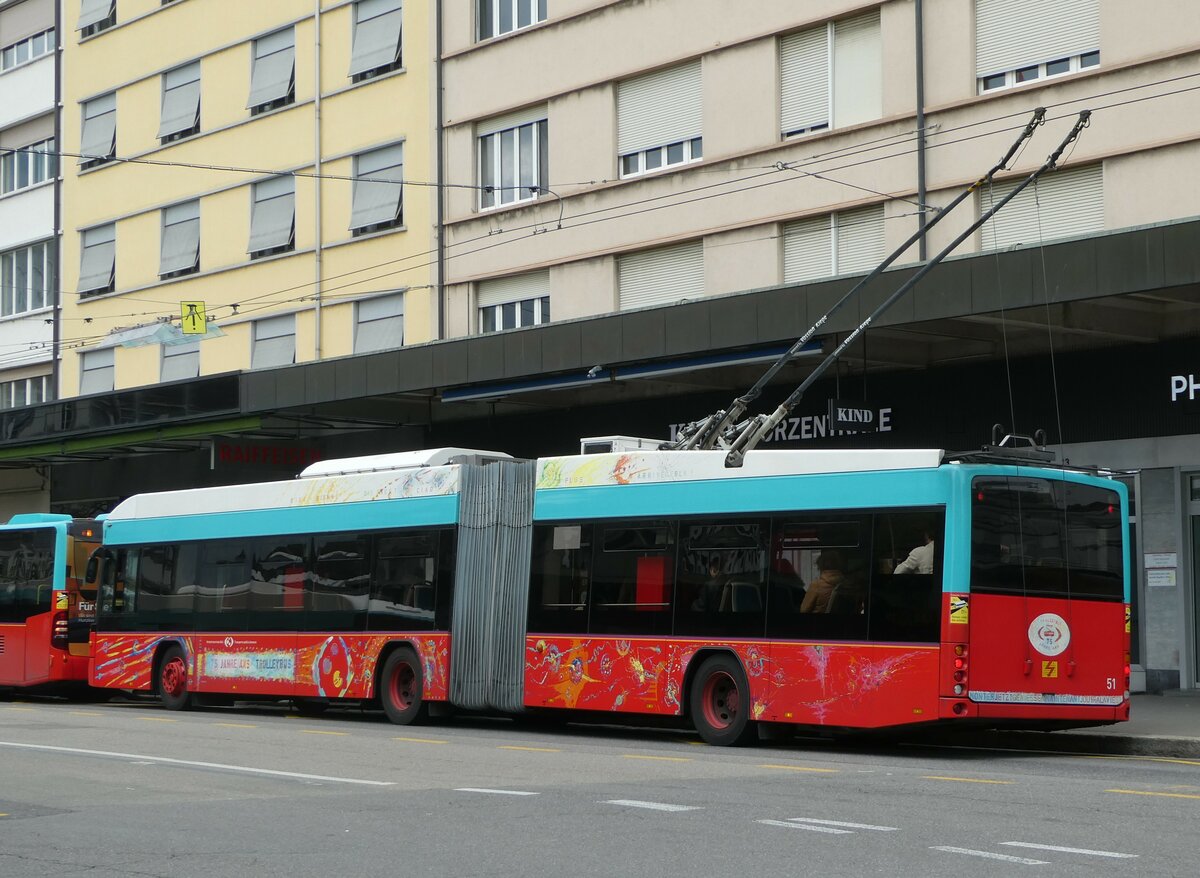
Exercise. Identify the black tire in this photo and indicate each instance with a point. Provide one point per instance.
(719, 702)
(171, 680)
(400, 688)
(310, 706)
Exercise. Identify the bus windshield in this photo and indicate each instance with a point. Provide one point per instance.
(1047, 538)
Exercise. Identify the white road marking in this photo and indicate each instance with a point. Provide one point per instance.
(245, 769)
(991, 856)
(496, 792)
(1051, 847)
(653, 806)
(809, 826)
(844, 825)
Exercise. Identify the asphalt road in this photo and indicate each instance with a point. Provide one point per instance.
(130, 789)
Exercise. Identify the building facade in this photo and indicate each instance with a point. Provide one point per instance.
(638, 204)
(29, 202)
(258, 180)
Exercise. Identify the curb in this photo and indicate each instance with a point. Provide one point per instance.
(1093, 744)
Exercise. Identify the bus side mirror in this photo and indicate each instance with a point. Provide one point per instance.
(93, 568)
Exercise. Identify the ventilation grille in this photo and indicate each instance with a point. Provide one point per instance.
(1, 644)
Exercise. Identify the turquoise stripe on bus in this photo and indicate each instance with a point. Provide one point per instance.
(341, 518)
(746, 495)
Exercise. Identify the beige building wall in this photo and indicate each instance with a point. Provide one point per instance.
(751, 180)
(316, 138)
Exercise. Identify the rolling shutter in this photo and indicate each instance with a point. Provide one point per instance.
(515, 288)
(273, 216)
(98, 261)
(1070, 202)
(857, 70)
(180, 100)
(93, 12)
(99, 137)
(804, 80)
(379, 324)
(274, 68)
(807, 250)
(378, 189)
(376, 35)
(859, 239)
(180, 249)
(1011, 35)
(660, 108)
(663, 276)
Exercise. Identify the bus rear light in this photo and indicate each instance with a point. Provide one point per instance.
(959, 708)
(961, 649)
(58, 635)
(958, 690)
(959, 664)
(960, 676)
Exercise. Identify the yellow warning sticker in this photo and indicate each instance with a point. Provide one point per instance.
(958, 609)
(60, 600)
(1127, 618)
(1050, 670)
(193, 320)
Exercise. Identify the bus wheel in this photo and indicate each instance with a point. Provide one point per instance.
(172, 680)
(400, 688)
(720, 702)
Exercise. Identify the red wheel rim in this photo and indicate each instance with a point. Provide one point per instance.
(174, 677)
(403, 684)
(721, 700)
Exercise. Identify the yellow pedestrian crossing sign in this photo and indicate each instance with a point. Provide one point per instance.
(192, 319)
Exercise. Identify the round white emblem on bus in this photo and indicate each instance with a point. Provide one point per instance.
(1049, 634)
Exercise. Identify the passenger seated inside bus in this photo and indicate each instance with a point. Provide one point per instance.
(830, 567)
(709, 596)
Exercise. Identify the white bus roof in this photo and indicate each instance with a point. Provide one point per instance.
(373, 463)
(620, 468)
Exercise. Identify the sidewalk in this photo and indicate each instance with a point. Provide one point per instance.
(1159, 725)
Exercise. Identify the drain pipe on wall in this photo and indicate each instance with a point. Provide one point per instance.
(439, 286)
(922, 249)
(317, 167)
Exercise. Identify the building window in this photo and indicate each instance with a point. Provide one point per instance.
(847, 242)
(274, 342)
(831, 76)
(28, 166)
(273, 217)
(180, 250)
(95, 16)
(378, 201)
(98, 143)
(513, 302)
(180, 361)
(97, 265)
(97, 371)
(379, 324)
(1060, 205)
(498, 17)
(513, 161)
(1016, 44)
(27, 49)
(180, 103)
(25, 278)
(661, 277)
(376, 42)
(660, 120)
(24, 391)
(273, 75)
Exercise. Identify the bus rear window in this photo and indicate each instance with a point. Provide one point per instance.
(1046, 538)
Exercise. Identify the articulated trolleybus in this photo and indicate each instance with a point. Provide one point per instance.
(45, 617)
(822, 589)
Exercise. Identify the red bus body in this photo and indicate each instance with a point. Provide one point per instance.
(39, 607)
(1023, 633)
